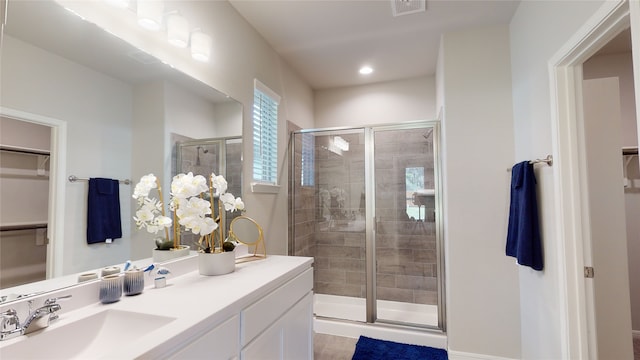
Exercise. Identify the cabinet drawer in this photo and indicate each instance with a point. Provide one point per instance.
(259, 316)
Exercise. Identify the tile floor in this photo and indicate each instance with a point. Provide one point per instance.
(329, 347)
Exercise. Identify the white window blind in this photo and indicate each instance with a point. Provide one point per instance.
(308, 159)
(265, 134)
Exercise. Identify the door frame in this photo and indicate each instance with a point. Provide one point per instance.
(565, 72)
(57, 169)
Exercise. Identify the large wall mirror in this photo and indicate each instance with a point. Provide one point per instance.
(122, 112)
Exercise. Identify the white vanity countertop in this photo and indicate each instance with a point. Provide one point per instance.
(197, 303)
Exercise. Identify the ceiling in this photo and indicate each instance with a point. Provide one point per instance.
(326, 41)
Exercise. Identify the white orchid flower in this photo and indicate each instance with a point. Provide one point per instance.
(193, 207)
(163, 221)
(199, 225)
(239, 204)
(144, 186)
(185, 186)
(193, 212)
(219, 183)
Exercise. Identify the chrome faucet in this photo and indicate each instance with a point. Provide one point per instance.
(38, 319)
(9, 325)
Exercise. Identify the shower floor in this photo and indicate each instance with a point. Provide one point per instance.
(352, 308)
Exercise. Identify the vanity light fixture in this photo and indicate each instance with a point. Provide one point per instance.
(341, 143)
(150, 13)
(200, 46)
(177, 30)
(366, 70)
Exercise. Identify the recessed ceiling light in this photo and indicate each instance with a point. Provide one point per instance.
(366, 70)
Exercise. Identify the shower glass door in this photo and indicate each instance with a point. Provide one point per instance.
(406, 249)
(365, 206)
(328, 216)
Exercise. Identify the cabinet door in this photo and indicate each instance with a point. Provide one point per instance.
(289, 338)
(220, 343)
(298, 330)
(266, 346)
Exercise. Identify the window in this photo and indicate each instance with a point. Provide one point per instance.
(414, 182)
(265, 134)
(308, 159)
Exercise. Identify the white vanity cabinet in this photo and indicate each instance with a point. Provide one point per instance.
(277, 326)
(261, 311)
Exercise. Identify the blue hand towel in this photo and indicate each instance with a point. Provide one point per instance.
(523, 235)
(103, 210)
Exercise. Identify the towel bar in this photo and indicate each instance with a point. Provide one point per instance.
(548, 160)
(73, 178)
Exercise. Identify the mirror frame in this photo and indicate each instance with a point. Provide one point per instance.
(256, 244)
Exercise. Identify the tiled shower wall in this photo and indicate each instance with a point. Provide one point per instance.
(333, 231)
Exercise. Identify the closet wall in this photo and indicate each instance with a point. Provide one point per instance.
(619, 64)
(24, 190)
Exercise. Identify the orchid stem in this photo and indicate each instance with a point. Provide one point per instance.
(166, 229)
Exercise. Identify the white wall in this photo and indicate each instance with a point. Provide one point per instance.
(537, 31)
(97, 110)
(187, 114)
(240, 54)
(148, 152)
(228, 119)
(481, 281)
(380, 103)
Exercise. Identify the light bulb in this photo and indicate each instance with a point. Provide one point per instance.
(366, 70)
(200, 46)
(177, 30)
(150, 14)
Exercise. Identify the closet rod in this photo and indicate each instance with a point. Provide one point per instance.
(23, 227)
(73, 178)
(25, 150)
(630, 151)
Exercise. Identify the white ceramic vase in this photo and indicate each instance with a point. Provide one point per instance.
(160, 256)
(216, 263)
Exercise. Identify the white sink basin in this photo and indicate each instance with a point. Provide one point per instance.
(91, 337)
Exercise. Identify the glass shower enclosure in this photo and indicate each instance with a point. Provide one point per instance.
(365, 204)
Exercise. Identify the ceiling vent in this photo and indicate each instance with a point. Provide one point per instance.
(406, 7)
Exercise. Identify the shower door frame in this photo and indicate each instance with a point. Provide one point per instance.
(370, 215)
(222, 155)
